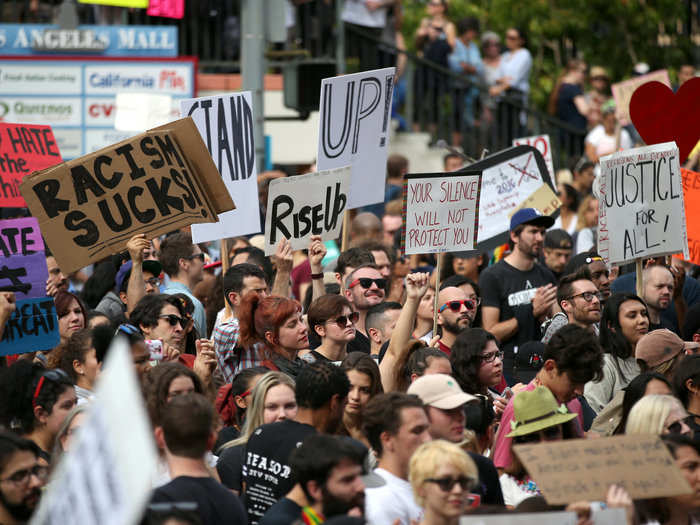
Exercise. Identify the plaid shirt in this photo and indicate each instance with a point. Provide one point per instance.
(231, 358)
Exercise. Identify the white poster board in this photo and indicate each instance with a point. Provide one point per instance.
(601, 517)
(641, 212)
(139, 112)
(441, 212)
(543, 145)
(305, 205)
(225, 123)
(355, 113)
(106, 477)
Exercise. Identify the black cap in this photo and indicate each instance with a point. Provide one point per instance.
(558, 239)
(581, 259)
(528, 361)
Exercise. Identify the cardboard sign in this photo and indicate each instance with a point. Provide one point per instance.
(226, 125)
(509, 179)
(106, 475)
(641, 212)
(33, 325)
(355, 113)
(622, 92)
(305, 205)
(543, 199)
(152, 183)
(691, 200)
(23, 149)
(583, 469)
(166, 8)
(541, 143)
(441, 212)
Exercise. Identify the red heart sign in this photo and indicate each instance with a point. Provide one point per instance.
(662, 116)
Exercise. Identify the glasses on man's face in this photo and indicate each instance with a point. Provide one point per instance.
(448, 483)
(199, 256)
(21, 477)
(456, 306)
(491, 356)
(366, 283)
(174, 319)
(56, 375)
(588, 296)
(153, 281)
(342, 320)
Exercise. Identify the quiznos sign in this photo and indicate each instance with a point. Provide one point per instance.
(152, 183)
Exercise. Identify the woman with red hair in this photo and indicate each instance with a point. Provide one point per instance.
(274, 327)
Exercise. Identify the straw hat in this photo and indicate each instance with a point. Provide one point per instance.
(536, 410)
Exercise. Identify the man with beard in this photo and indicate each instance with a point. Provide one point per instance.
(517, 294)
(21, 479)
(657, 293)
(580, 302)
(364, 288)
(455, 313)
(328, 471)
(321, 392)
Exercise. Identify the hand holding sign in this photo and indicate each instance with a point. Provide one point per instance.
(317, 251)
(136, 245)
(283, 256)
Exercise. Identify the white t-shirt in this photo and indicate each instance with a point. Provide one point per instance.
(513, 492)
(356, 12)
(605, 144)
(384, 505)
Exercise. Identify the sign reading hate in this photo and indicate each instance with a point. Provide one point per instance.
(355, 113)
(641, 212)
(33, 325)
(442, 212)
(225, 123)
(24, 148)
(152, 183)
(305, 205)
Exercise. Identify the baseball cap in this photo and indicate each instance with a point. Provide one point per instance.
(659, 346)
(558, 239)
(440, 391)
(528, 361)
(597, 71)
(530, 216)
(124, 272)
(579, 260)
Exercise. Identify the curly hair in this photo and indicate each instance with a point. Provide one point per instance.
(76, 349)
(465, 358)
(159, 379)
(18, 384)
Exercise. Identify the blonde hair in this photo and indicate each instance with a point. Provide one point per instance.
(430, 456)
(582, 209)
(649, 414)
(254, 415)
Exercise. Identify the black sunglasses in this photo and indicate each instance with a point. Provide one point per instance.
(447, 484)
(174, 319)
(342, 320)
(549, 433)
(199, 256)
(366, 282)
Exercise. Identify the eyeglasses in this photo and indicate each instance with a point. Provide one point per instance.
(456, 306)
(153, 281)
(342, 320)
(56, 375)
(21, 477)
(491, 356)
(366, 282)
(588, 296)
(199, 256)
(174, 319)
(447, 484)
(549, 434)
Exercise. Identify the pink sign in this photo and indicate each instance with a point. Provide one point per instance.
(167, 8)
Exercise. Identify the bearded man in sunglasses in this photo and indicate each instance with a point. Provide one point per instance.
(455, 313)
(364, 288)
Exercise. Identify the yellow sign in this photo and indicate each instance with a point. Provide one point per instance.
(121, 3)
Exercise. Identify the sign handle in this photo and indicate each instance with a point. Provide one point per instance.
(638, 269)
(437, 288)
(346, 231)
(224, 268)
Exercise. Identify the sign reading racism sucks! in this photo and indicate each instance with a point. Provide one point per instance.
(23, 149)
(33, 325)
(305, 205)
(543, 145)
(355, 113)
(226, 124)
(441, 212)
(641, 212)
(152, 183)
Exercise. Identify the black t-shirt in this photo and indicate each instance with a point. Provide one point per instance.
(489, 487)
(284, 512)
(215, 503)
(511, 291)
(230, 466)
(361, 343)
(266, 473)
(226, 434)
(566, 108)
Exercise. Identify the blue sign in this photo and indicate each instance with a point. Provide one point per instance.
(33, 326)
(109, 41)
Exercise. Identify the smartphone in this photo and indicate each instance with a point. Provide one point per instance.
(155, 349)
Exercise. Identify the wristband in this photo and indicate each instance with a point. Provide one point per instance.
(317, 275)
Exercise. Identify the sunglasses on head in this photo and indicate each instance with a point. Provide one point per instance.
(448, 483)
(56, 375)
(366, 282)
(174, 319)
(128, 329)
(456, 306)
(342, 320)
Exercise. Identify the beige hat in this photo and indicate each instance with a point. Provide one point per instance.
(439, 391)
(597, 71)
(659, 346)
